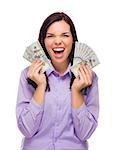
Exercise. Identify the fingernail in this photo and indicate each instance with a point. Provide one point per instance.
(38, 60)
(34, 61)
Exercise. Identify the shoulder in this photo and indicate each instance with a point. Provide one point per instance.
(24, 73)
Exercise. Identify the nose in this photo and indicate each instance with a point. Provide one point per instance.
(57, 41)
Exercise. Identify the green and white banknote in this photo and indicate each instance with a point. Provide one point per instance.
(83, 54)
(35, 51)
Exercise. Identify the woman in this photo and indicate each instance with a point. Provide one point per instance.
(54, 109)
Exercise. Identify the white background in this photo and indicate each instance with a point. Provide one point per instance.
(95, 22)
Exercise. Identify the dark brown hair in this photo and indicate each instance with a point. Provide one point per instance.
(57, 16)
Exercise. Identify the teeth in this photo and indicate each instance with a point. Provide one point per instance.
(58, 49)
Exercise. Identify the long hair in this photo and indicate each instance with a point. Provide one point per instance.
(57, 16)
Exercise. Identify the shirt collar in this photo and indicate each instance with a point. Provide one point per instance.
(52, 70)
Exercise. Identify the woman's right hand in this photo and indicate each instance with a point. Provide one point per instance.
(35, 74)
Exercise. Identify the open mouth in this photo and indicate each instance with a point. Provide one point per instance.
(58, 50)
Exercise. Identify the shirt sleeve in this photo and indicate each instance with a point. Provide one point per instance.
(28, 112)
(85, 118)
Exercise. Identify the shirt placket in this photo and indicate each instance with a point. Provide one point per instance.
(58, 108)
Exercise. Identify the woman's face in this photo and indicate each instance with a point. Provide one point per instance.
(58, 42)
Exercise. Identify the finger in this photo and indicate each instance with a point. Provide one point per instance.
(83, 74)
(90, 71)
(38, 70)
(81, 78)
(35, 73)
(87, 72)
(36, 61)
(38, 64)
(33, 68)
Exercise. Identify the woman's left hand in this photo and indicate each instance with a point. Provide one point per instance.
(84, 78)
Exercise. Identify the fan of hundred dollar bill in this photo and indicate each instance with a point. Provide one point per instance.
(83, 54)
(35, 51)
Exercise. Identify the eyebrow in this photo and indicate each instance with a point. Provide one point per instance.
(61, 33)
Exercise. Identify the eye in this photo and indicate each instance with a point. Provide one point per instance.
(66, 35)
(48, 36)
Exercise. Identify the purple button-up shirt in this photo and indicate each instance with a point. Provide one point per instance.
(55, 125)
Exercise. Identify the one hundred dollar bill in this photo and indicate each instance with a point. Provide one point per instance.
(83, 54)
(35, 51)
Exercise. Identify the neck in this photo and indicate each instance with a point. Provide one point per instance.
(61, 68)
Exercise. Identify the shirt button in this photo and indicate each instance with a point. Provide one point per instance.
(55, 139)
(59, 107)
(57, 123)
